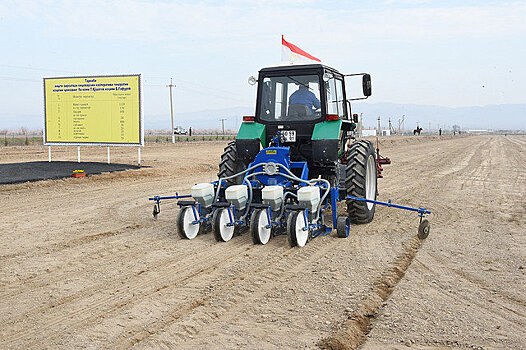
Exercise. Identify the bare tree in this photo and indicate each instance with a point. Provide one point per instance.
(4, 132)
(24, 131)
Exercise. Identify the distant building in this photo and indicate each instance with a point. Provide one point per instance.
(368, 132)
(478, 131)
(373, 132)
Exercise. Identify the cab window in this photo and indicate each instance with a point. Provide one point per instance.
(335, 100)
(290, 98)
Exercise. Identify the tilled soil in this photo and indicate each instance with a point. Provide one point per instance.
(84, 264)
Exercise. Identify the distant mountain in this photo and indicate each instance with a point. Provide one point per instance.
(206, 119)
(508, 116)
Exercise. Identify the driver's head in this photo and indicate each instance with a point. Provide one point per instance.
(303, 82)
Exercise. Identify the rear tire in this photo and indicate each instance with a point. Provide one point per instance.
(361, 181)
(230, 165)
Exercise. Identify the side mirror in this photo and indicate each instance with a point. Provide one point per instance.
(352, 85)
(252, 80)
(366, 85)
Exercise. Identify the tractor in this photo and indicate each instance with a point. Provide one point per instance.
(324, 137)
(291, 163)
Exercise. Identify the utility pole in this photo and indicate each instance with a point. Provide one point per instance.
(379, 128)
(223, 125)
(172, 108)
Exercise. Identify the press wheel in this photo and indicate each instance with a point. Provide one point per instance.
(258, 227)
(222, 232)
(423, 229)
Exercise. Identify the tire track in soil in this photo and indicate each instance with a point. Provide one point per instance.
(246, 286)
(42, 280)
(501, 315)
(51, 199)
(243, 245)
(354, 330)
(60, 272)
(516, 141)
(37, 281)
(34, 281)
(139, 289)
(479, 283)
(75, 242)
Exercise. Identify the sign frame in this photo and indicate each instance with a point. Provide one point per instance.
(108, 144)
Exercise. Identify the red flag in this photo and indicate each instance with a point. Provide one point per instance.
(291, 53)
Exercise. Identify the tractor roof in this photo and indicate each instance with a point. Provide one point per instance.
(288, 67)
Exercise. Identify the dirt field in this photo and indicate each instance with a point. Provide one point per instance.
(84, 264)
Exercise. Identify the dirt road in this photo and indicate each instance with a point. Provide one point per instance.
(83, 263)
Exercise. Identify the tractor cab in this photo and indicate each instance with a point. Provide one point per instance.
(307, 106)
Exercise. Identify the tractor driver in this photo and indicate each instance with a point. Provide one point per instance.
(303, 96)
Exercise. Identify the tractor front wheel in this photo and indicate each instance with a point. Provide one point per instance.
(361, 181)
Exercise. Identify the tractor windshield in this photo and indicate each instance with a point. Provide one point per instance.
(290, 98)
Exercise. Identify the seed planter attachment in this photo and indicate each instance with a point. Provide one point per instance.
(272, 196)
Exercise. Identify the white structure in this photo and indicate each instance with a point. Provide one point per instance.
(368, 132)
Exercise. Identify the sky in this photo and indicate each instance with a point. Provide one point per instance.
(442, 53)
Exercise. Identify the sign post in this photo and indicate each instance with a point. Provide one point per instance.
(93, 110)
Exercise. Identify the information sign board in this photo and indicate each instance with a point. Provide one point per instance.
(93, 110)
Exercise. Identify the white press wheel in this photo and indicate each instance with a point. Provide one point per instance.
(297, 235)
(185, 224)
(258, 227)
(222, 232)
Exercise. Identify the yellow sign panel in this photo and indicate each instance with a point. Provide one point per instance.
(93, 110)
